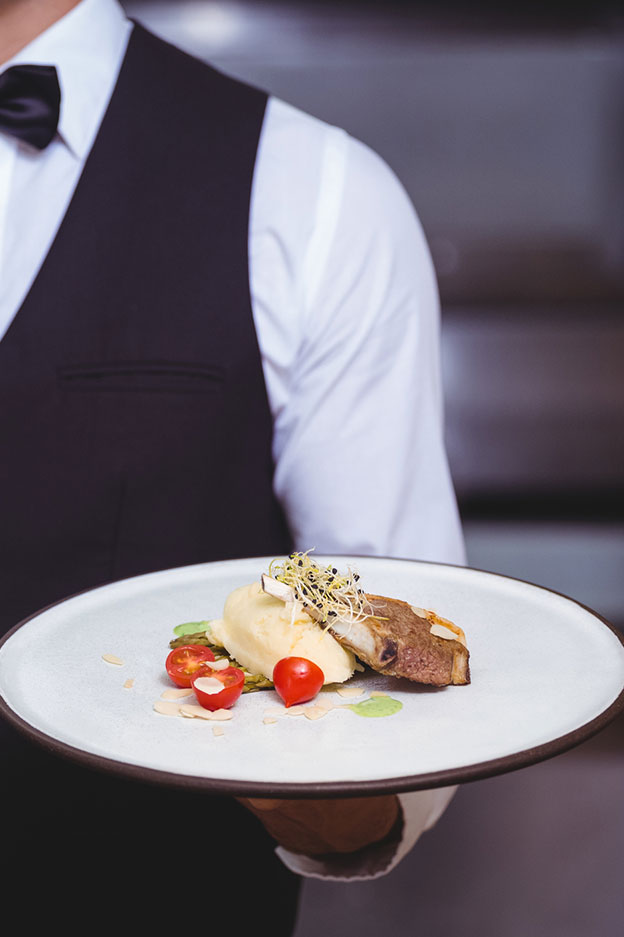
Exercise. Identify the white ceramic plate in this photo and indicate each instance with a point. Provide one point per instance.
(546, 674)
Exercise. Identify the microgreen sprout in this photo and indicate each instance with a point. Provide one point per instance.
(325, 593)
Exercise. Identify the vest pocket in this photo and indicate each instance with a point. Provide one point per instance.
(141, 377)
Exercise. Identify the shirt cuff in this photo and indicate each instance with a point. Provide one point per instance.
(420, 811)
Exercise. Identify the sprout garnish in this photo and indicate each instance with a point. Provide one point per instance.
(324, 592)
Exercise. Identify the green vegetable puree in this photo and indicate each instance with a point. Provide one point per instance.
(377, 706)
(191, 627)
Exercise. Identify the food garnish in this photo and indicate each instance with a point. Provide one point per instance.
(218, 689)
(183, 663)
(297, 680)
(376, 706)
(324, 592)
(195, 711)
(166, 708)
(191, 627)
(348, 692)
(177, 694)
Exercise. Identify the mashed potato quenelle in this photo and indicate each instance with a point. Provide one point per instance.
(258, 630)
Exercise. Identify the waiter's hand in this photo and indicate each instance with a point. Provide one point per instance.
(317, 827)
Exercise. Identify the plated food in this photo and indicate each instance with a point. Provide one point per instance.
(106, 713)
(303, 626)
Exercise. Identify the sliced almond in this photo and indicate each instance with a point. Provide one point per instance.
(295, 710)
(195, 710)
(269, 720)
(441, 631)
(218, 730)
(220, 664)
(209, 685)
(166, 709)
(348, 692)
(129, 684)
(222, 715)
(176, 694)
(441, 627)
(314, 712)
(377, 693)
(112, 659)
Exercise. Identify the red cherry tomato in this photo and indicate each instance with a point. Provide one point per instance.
(297, 679)
(184, 662)
(232, 680)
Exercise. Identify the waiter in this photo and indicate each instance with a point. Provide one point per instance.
(220, 338)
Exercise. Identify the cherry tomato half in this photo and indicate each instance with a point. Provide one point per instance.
(297, 679)
(232, 680)
(184, 662)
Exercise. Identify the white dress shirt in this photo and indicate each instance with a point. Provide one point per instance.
(345, 306)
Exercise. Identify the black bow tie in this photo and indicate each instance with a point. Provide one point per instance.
(30, 100)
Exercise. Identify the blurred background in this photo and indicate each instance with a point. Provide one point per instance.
(506, 127)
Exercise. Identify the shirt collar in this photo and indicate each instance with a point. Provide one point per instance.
(87, 46)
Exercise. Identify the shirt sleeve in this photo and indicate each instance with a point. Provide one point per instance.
(346, 308)
(347, 315)
(420, 811)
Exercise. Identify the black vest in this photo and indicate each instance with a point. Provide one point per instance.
(135, 428)
(136, 436)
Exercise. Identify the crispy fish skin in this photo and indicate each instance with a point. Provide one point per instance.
(399, 643)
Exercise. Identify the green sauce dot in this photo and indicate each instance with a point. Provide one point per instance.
(377, 706)
(190, 627)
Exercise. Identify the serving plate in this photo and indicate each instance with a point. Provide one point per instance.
(547, 673)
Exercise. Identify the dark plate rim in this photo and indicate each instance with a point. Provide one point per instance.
(301, 790)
